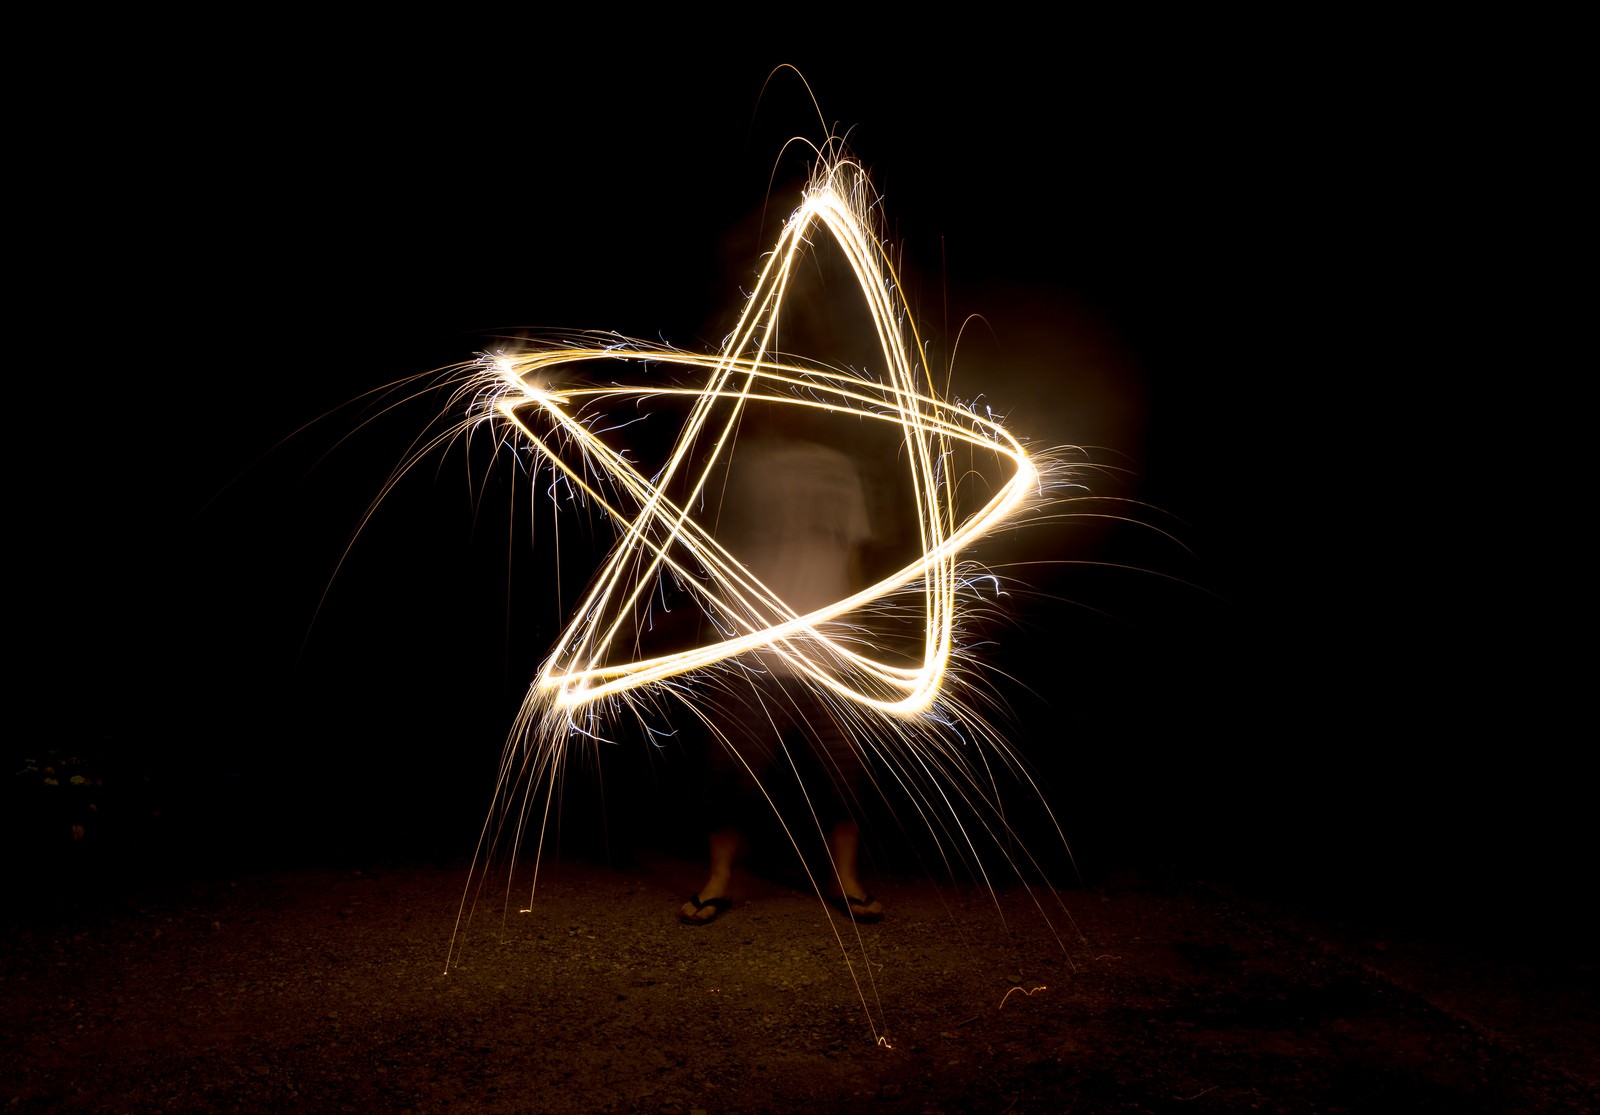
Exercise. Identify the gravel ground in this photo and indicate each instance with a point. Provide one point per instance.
(327, 990)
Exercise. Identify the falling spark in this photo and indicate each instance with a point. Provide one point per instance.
(1026, 991)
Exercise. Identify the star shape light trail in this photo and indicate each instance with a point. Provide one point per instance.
(560, 399)
(658, 535)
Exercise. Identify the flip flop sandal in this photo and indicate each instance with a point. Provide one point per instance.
(715, 905)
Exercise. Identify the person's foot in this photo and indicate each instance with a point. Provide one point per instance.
(866, 911)
(703, 911)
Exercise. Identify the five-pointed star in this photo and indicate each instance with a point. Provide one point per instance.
(659, 536)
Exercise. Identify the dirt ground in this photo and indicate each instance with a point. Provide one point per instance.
(326, 990)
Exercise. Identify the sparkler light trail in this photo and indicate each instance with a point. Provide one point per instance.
(660, 536)
(913, 716)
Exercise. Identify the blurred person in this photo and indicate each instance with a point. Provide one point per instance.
(794, 513)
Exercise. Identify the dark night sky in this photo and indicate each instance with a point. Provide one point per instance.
(1165, 247)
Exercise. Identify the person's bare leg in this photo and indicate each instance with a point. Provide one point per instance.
(724, 847)
(844, 843)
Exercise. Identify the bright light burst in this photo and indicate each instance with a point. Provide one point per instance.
(914, 715)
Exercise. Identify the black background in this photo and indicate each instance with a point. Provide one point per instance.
(1186, 256)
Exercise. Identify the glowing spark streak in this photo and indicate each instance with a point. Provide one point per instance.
(1025, 991)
